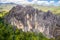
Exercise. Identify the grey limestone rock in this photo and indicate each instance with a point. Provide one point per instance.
(29, 19)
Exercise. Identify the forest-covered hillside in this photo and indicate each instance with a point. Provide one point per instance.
(7, 31)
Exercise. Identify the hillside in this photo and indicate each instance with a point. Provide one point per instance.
(28, 18)
(53, 9)
(6, 6)
(31, 19)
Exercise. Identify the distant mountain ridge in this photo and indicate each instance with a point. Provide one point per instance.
(26, 4)
(8, 3)
(8, 6)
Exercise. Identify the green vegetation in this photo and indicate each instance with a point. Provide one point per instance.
(3, 13)
(54, 9)
(7, 32)
(6, 7)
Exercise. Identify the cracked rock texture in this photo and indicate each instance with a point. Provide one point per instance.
(28, 18)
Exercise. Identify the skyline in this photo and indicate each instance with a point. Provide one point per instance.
(38, 2)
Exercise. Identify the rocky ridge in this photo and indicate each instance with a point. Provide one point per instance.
(28, 18)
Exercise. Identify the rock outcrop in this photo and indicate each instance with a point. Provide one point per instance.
(29, 19)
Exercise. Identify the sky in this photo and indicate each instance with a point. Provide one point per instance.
(39, 2)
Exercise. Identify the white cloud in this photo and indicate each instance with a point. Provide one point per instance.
(51, 3)
(13, 0)
(46, 3)
(58, 2)
(33, 2)
(43, 2)
(4, 1)
(18, 1)
(24, 2)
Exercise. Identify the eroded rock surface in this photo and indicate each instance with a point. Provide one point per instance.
(29, 19)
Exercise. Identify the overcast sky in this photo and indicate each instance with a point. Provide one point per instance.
(39, 2)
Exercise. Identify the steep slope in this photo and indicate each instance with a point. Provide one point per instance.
(29, 19)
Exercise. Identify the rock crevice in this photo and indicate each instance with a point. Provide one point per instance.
(29, 19)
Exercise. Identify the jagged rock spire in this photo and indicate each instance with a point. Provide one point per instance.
(29, 19)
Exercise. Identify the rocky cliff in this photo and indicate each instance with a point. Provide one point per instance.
(28, 18)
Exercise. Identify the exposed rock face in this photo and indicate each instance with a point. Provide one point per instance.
(29, 19)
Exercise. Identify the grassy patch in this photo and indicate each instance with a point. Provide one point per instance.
(3, 13)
